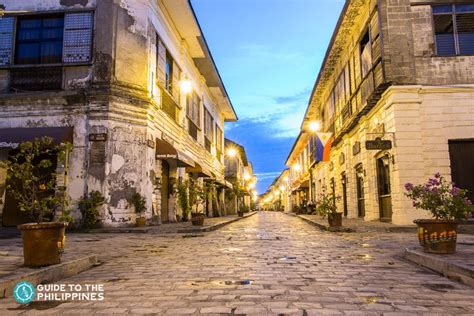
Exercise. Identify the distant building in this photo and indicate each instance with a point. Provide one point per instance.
(130, 83)
(239, 173)
(396, 90)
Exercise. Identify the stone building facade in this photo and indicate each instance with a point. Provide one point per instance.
(131, 84)
(396, 90)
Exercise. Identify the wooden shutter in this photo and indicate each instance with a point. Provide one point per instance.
(161, 63)
(77, 44)
(7, 25)
(374, 26)
(175, 83)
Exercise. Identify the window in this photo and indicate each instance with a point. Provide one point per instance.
(193, 104)
(39, 40)
(169, 73)
(219, 141)
(365, 54)
(454, 29)
(208, 125)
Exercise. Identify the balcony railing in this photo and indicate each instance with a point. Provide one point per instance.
(36, 79)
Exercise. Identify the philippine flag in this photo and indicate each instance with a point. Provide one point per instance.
(323, 146)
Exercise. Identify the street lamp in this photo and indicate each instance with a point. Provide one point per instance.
(314, 126)
(231, 152)
(297, 167)
(186, 86)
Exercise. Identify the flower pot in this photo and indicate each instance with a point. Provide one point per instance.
(140, 221)
(43, 243)
(437, 236)
(240, 213)
(335, 220)
(197, 219)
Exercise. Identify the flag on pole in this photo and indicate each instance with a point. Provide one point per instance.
(323, 146)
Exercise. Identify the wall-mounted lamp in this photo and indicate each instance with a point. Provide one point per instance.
(314, 126)
(387, 158)
(186, 86)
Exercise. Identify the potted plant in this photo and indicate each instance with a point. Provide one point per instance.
(31, 180)
(326, 207)
(447, 204)
(196, 195)
(139, 204)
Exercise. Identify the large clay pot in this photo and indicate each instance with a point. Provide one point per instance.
(437, 236)
(140, 221)
(43, 243)
(197, 219)
(335, 220)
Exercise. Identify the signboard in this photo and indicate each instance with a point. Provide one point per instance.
(100, 137)
(378, 144)
(97, 153)
(150, 143)
(166, 156)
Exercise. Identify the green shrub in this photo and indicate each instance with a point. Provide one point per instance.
(139, 202)
(89, 206)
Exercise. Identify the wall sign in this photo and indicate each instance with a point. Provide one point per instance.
(97, 153)
(150, 143)
(356, 148)
(378, 144)
(100, 137)
(166, 156)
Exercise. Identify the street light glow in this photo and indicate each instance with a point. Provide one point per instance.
(297, 167)
(231, 152)
(186, 86)
(314, 126)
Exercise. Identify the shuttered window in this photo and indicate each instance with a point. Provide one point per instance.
(219, 142)
(46, 38)
(7, 27)
(193, 108)
(77, 44)
(208, 125)
(167, 70)
(454, 29)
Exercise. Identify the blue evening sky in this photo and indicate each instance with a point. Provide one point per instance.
(268, 53)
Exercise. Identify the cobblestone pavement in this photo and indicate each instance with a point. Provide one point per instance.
(294, 268)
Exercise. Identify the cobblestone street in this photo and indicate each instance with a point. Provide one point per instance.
(269, 263)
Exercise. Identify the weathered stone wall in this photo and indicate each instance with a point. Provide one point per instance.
(409, 47)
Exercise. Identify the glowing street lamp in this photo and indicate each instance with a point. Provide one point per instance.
(282, 188)
(186, 86)
(314, 126)
(231, 152)
(297, 167)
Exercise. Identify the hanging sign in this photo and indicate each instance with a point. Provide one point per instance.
(378, 144)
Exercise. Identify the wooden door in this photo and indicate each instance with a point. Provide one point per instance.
(344, 192)
(461, 153)
(384, 189)
(360, 193)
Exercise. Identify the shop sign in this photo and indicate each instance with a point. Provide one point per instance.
(378, 144)
(100, 137)
(166, 156)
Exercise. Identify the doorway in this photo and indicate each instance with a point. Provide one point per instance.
(165, 188)
(462, 165)
(384, 189)
(344, 192)
(360, 191)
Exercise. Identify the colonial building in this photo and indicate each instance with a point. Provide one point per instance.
(131, 84)
(279, 194)
(240, 177)
(396, 90)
